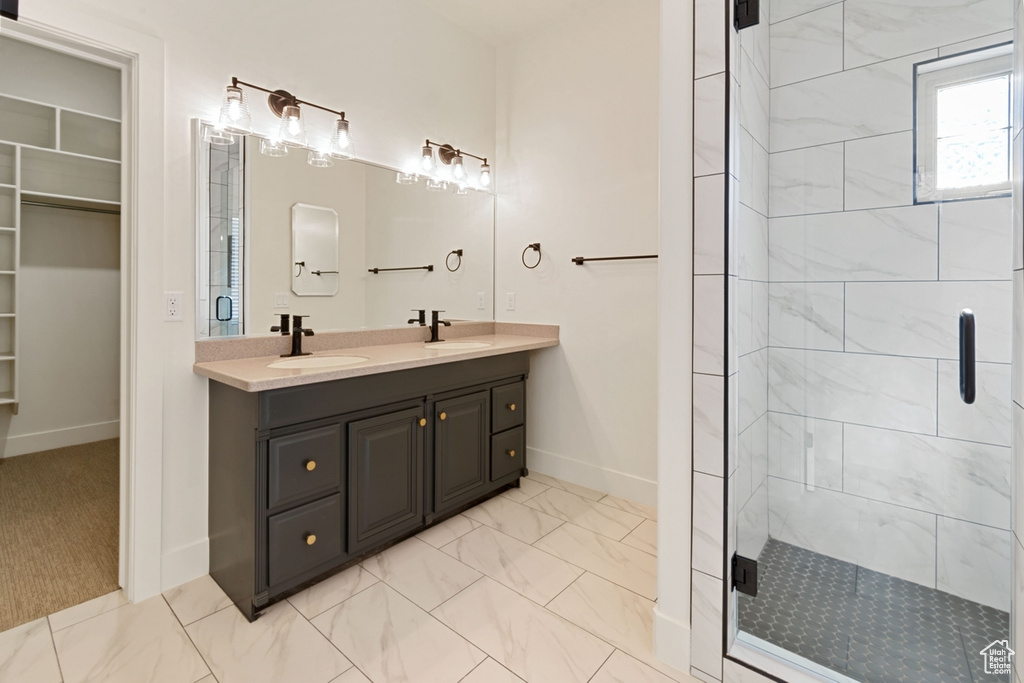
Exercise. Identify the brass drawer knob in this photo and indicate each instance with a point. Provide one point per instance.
(423, 422)
(310, 539)
(310, 465)
(512, 407)
(511, 454)
(444, 416)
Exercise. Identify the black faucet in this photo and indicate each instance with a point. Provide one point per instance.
(283, 327)
(297, 332)
(434, 322)
(422, 320)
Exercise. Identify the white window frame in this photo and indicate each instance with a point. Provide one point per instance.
(929, 78)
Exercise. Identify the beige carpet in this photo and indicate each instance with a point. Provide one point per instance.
(58, 529)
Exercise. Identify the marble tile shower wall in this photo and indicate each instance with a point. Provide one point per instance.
(872, 457)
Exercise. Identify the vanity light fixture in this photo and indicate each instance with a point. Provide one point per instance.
(235, 118)
(453, 164)
(427, 160)
(435, 185)
(403, 178)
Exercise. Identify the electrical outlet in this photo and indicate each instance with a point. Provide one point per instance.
(481, 304)
(510, 301)
(172, 306)
(281, 300)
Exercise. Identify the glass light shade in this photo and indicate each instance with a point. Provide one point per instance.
(319, 159)
(215, 135)
(234, 112)
(435, 185)
(485, 175)
(273, 148)
(458, 169)
(293, 128)
(427, 160)
(341, 141)
(403, 178)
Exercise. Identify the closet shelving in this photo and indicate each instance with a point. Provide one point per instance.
(50, 155)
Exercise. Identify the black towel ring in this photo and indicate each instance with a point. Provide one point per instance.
(458, 253)
(536, 247)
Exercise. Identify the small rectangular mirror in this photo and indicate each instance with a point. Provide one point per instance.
(314, 250)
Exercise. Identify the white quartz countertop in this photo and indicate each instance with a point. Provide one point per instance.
(254, 374)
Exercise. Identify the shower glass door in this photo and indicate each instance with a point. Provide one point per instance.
(871, 207)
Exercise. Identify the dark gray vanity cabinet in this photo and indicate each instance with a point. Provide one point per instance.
(309, 479)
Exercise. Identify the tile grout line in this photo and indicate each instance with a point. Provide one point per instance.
(189, 636)
(53, 644)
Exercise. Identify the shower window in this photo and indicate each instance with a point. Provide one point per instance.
(962, 125)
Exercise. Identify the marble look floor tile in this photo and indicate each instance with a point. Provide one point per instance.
(208, 679)
(353, 675)
(447, 531)
(648, 511)
(322, 596)
(630, 568)
(392, 640)
(585, 513)
(566, 486)
(644, 537)
(87, 610)
(529, 640)
(278, 647)
(514, 519)
(138, 642)
(614, 614)
(528, 488)
(421, 572)
(621, 668)
(27, 656)
(523, 568)
(196, 599)
(491, 672)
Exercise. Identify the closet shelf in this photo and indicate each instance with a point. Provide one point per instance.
(56, 107)
(74, 155)
(69, 200)
(5, 186)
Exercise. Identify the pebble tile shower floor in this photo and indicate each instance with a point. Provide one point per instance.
(867, 625)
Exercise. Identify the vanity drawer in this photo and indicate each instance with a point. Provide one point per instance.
(507, 406)
(508, 453)
(304, 464)
(304, 538)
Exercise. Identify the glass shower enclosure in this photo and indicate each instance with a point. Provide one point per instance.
(869, 461)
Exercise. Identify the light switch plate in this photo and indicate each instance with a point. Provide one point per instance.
(510, 301)
(281, 300)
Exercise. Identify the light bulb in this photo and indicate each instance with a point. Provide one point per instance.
(341, 142)
(427, 160)
(293, 129)
(458, 169)
(485, 175)
(234, 112)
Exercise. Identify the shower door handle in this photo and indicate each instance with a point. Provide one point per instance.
(967, 377)
(231, 309)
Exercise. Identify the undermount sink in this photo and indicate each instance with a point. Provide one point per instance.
(457, 345)
(316, 362)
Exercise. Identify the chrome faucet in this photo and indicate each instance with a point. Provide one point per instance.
(297, 333)
(434, 322)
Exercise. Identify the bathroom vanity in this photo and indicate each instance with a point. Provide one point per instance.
(311, 470)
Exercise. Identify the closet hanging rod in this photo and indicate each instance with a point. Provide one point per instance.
(48, 205)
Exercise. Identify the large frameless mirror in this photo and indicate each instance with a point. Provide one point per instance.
(391, 250)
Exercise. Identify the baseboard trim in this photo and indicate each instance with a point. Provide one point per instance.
(59, 438)
(184, 563)
(616, 483)
(671, 640)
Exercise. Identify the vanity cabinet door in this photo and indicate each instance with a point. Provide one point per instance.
(385, 459)
(460, 449)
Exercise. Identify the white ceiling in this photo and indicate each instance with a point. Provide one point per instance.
(502, 21)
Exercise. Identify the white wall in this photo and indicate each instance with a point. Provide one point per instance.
(402, 74)
(577, 171)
